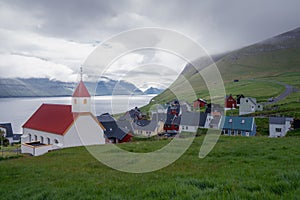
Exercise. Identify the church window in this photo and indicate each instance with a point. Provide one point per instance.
(84, 101)
(75, 101)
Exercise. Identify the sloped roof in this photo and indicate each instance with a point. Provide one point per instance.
(81, 91)
(277, 120)
(106, 117)
(159, 117)
(7, 127)
(52, 118)
(111, 128)
(193, 119)
(238, 123)
(148, 126)
(125, 125)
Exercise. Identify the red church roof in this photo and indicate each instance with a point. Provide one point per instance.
(52, 118)
(81, 91)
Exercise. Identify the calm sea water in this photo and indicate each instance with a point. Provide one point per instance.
(18, 110)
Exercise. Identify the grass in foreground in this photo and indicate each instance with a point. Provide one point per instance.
(237, 168)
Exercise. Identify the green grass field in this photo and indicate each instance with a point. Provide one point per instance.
(237, 168)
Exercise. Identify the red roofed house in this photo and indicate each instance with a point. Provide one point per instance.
(230, 102)
(55, 126)
(199, 103)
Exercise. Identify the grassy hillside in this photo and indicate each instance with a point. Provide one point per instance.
(237, 168)
(275, 59)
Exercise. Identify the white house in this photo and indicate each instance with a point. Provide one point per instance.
(55, 126)
(249, 105)
(279, 126)
(191, 121)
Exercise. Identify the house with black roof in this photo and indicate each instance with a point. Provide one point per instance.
(6, 128)
(279, 126)
(113, 132)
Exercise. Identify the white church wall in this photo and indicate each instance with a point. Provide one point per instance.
(85, 131)
(36, 135)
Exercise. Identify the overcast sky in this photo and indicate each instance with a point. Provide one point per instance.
(53, 38)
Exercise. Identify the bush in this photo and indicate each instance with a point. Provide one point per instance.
(295, 132)
(4, 141)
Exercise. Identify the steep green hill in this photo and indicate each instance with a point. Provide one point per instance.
(255, 67)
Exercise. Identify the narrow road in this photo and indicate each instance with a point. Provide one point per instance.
(288, 90)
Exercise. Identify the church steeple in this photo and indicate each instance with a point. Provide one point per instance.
(81, 98)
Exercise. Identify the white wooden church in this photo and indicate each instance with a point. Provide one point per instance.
(55, 126)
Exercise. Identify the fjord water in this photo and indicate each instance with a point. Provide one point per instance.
(18, 110)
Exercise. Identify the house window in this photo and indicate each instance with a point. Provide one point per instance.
(247, 101)
(182, 127)
(75, 101)
(247, 134)
(42, 139)
(186, 127)
(243, 121)
(278, 130)
(84, 101)
(48, 140)
(56, 141)
(230, 120)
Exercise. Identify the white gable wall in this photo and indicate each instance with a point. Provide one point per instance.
(85, 131)
(274, 133)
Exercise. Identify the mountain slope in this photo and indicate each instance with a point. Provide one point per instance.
(272, 57)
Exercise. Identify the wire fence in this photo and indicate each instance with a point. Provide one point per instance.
(8, 152)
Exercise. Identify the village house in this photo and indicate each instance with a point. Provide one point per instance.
(151, 127)
(214, 122)
(7, 131)
(199, 103)
(191, 121)
(249, 105)
(279, 126)
(113, 133)
(233, 125)
(230, 103)
(55, 126)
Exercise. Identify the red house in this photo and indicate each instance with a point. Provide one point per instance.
(230, 102)
(199, 103)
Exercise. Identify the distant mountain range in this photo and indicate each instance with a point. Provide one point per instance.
(43, 87)
(153, 90)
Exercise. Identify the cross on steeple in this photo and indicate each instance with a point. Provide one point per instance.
(81, 73)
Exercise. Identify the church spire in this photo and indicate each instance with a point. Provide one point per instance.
(81, 98)
(81, 73)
